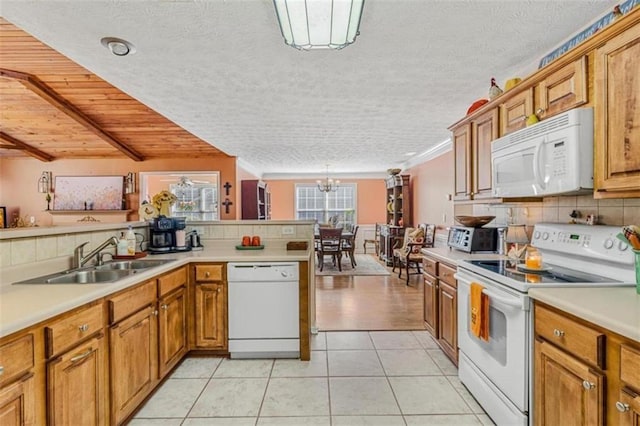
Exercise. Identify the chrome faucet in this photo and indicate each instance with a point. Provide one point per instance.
(79, 260)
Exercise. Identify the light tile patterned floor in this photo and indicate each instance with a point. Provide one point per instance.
(381, 378)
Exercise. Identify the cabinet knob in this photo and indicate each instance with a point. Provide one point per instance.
(558, 333)
(540, 111)
(155, 312)
(1, 370)
(588, 385)
(218, 290)
(164, 306)
(83, 327)
(207, 274)
(622, 407)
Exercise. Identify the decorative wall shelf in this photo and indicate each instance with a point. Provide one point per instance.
(75, 216)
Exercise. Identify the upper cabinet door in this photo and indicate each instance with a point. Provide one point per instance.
(515, 110)
(564, 89)
(485, 130)
(462, 152)
(617, 116)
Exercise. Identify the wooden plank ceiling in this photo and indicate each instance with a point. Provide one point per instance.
(52, 108)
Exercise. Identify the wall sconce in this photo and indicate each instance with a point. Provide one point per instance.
(44, 183)
(130, 183)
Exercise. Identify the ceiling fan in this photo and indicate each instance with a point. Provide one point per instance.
(184, 181)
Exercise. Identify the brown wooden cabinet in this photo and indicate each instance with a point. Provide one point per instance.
(563, 89)
(567, 391)
(583, 374)
(210, 313)
(484, 130)
(17, 403)
(133, 349)
(628, 404)
(441, 305)
(76, 385)
(461, 140)
(172, 326)
(617, 116)
(472, 150)
(256, 200)
(17, 393)
(515, 109)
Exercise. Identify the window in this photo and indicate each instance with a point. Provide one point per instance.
(311, 203)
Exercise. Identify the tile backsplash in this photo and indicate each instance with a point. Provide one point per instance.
(615, 212)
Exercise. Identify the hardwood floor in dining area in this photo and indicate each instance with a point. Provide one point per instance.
(369, 303)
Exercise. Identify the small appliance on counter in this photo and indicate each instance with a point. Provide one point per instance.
(194, 241)
(473, 240)
(167, 235)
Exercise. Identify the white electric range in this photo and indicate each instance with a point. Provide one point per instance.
(498, 371)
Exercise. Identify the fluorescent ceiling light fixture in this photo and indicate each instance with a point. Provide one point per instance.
(409, 154)
(319, 24)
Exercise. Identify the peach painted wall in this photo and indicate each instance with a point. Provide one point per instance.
(19, 178)
(371, 199)
(431, 184)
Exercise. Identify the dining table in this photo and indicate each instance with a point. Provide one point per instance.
(345, 236)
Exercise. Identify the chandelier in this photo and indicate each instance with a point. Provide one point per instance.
(319, 24)
(328, 185)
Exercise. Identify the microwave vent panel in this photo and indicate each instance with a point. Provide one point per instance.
(541, 128)
(581, 117)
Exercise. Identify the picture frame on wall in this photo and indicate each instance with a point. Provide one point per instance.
(3, 217)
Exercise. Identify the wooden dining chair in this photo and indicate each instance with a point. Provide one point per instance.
(330, 245)
(410, 255)
(349, 246)
(375, 240)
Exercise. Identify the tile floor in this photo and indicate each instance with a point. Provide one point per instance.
(354, 378)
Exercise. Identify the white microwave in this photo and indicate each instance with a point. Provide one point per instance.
(552, 157)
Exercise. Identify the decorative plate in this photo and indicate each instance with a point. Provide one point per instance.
(147, 211)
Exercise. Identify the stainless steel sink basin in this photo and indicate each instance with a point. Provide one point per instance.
(132, 264)
(91, 276)
(107, 273)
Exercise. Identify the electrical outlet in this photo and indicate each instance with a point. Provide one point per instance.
(287, 230)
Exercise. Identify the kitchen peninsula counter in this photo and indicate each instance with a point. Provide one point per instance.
(22, 306)
(614, 308)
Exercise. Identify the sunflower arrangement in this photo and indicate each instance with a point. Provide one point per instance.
(163, 201)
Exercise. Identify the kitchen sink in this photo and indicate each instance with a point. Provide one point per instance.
(132, 264)
(107, 273)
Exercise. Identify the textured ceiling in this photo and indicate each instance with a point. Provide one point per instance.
(221, 70)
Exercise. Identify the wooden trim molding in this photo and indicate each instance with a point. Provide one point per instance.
(46, 93)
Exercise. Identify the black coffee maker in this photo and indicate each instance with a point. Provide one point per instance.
(162, 235)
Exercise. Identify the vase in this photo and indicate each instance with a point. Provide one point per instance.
(165, 208)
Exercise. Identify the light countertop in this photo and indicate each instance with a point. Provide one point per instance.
(22, 306)
(451, 256)
(615, 308)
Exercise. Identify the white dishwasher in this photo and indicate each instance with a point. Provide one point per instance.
(263, 309)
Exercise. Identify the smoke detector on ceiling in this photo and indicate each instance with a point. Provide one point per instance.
(118, 46)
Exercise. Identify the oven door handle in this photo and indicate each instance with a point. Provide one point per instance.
(504, 301)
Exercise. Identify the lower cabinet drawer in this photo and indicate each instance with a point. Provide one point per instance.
(446, 273)
(430, 266)
(73, 328)
(16, 358)
(129, 302)
(209, 272)
(578, 339)
(169, 282)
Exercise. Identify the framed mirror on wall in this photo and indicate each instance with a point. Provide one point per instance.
(197, 193)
